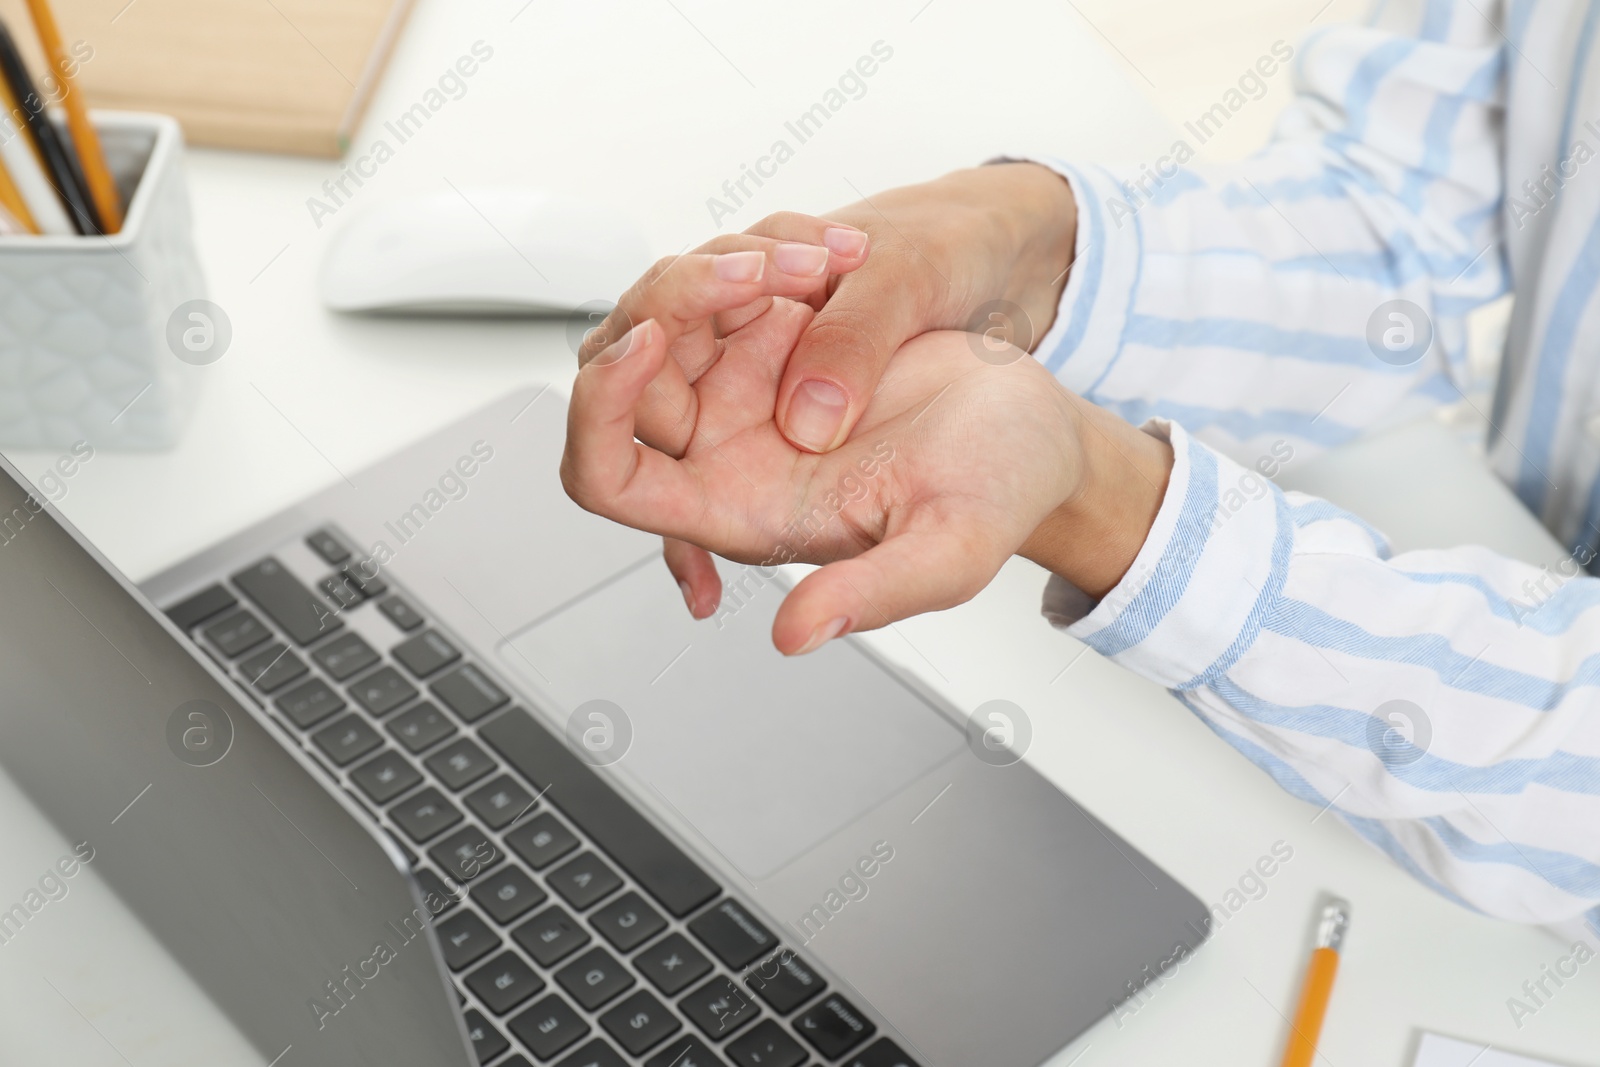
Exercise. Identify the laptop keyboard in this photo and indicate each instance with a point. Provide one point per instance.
(576, 932)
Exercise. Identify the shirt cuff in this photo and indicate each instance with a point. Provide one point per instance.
(1210, 571)
(1096, 304)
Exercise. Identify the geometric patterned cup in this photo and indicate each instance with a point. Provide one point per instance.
(100, 336)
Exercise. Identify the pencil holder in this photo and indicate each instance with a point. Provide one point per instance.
(85, 322)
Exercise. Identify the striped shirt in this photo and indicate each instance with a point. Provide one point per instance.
(1445, 703)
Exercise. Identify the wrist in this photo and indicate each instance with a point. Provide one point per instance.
(1093, 536)
(1043, 221)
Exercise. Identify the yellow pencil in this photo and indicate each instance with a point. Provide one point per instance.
(90, 155)
(10, 195)
(1318, 986)
(11, 201)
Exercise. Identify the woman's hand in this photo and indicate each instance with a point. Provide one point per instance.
(992, 243)
(953, 465)
(879, 272)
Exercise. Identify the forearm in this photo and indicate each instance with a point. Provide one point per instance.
(1247, 300)
(1443, 703)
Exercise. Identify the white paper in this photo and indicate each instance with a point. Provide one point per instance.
(1436, 1051)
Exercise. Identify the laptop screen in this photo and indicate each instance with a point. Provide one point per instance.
(193, 873)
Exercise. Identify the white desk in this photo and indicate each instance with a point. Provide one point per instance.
(633, 104)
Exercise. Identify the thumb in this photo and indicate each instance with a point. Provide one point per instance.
(922, 569)
(841, 356)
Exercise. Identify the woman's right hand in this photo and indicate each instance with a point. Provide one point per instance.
(940, 252)
(878, 273)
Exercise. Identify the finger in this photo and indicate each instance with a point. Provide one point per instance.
(907, 574)
(680, 292)
(685, 294)
(836, 366)
(843, 240)
(604, 469)
(666, 414)
(697, 576)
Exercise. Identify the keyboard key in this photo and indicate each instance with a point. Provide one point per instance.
(501, 802)
(345, 656)
(625, 835)
(640, 1023)
(469, 693)
(382, 691)
(465, 854)
(732, 935)
(272, 668)
(487, 1042)
(594, 978)
(719, 1008)
(833, 1027)
(237, 633)
(309, 703)
(425, 653)
(766, 1045)
(505, 982)
(194, 610)
(420, 727)
(881, 1053)
(628, 922)
(460, 763)
(385, 776)
(438, 896)
(508, 894)
(595, 1054)
(465, 939)
(298, 613)
(399, 612)
(583, 880)
(329, 547)
(549, 1027)
(783, 981)
(425, 814)
(364, 578)
(550, 936)
(672, 964)
(685, 1051)
(341, 592)
(541, 841)
(346, 740)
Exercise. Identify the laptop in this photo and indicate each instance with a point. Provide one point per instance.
(434, 768)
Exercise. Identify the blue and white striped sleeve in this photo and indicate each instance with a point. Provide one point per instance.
(1239, 299)
(1445, 704)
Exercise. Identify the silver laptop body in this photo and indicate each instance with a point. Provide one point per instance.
(659, 842)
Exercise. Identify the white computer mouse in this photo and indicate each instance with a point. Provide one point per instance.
(481, 251)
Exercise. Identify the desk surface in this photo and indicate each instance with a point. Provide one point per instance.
(652, 113)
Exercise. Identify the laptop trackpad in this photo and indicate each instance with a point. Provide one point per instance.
(766, 756)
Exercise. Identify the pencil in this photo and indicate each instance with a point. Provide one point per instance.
(10, 225)
(25, 167)
(91, 156)
(60, 165)
(1318, 986)
(11, 200)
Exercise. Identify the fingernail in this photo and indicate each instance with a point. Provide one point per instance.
(740, 266)
(688, 595)
(801, 260)
(637, 337)
(823, 634)
(845, 242)
(816, 411)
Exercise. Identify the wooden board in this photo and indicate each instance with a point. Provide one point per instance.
(271, 75)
